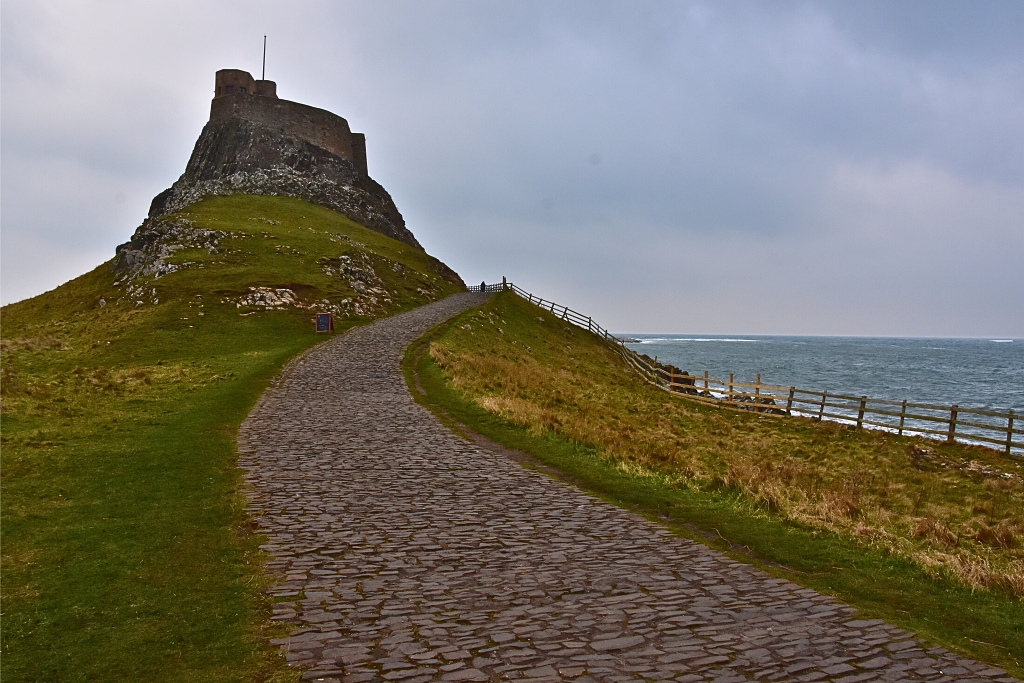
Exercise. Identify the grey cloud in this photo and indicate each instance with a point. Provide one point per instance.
(809, 139)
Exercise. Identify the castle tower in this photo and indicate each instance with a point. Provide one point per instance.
(256, 143)
(237, 95)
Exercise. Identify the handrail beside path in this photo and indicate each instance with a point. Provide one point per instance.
(993, 428)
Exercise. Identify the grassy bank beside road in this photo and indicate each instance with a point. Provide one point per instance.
(847, 512)
(125, 549)
(127, 553)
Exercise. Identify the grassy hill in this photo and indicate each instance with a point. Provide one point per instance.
(925, 535)
(126, 554)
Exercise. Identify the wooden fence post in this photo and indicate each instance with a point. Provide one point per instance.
(951, 437)
(757, 389)
(590, 324)
(789, 403)
(730, 387)
(860, 413)
(903, 416)
(1009, 431)
(821, 408)
(706, 392)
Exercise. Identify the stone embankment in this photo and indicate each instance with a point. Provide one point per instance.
(406, 553)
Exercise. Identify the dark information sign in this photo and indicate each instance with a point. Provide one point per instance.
(324, 322)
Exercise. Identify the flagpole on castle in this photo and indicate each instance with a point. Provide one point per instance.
(264, 76)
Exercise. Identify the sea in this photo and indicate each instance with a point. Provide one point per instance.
(972, 373)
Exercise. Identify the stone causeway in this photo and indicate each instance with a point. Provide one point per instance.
(406, 553)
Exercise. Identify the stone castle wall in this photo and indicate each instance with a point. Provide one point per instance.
(317, 126)
(258, 144)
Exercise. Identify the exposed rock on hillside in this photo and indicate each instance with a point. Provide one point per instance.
(240, 156)
(157, 239)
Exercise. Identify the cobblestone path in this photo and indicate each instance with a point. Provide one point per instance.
(407, 554)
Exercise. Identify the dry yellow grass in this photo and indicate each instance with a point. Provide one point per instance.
(956, 510)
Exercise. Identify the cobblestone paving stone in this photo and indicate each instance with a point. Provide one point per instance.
(408, 554)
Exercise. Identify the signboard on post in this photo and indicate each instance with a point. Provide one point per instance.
(324, 322)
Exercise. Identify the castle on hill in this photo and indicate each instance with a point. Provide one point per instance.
(238, 96)
(257, 143)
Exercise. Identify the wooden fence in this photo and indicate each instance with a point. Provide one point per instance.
(951, 423)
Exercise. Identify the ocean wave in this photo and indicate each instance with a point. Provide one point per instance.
(925, 370)
(664, 340)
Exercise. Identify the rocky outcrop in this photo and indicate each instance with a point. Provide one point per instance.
(238, 156)
(155, 240)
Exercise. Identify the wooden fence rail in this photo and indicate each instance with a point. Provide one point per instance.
(953, 423)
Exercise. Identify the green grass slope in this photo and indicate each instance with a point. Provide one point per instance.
(844, 511)
(126, 551)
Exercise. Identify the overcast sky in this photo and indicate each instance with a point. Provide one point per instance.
(717, 167)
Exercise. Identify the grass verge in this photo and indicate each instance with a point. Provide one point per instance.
(482, 354)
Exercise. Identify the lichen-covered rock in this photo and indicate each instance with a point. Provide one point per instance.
(245, 157)
(155, 240)
(269, 298)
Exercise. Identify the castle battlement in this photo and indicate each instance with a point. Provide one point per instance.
(256, 143)
(237, 95)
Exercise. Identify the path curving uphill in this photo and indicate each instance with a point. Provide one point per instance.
(408, 554)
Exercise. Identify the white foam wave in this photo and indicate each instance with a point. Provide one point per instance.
(665, 340)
